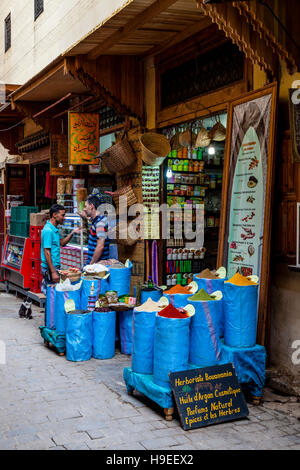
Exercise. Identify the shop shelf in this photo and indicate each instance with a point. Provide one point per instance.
(36, 234)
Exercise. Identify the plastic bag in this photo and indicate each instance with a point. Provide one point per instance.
(143, 342)
(120, 280)
(60, 311)
(171, 348)
(100, 286)
(50, 308)
(56, 339)
(205, 346)
(104, 335)
(126, 326)
(153, 294)
(67, 286)
(210, 286)
(178, 300)
(79, 337)
(240, 312)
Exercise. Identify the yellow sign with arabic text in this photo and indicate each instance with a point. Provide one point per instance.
(84, 138)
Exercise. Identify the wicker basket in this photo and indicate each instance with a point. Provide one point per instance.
(155, 148)
(73, 277)
(218, 132)
(203, 140)
(118, 157)
(185, 138)
(128, 241)
(126, 191)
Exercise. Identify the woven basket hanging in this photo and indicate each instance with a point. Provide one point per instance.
(118, 157)
(185, 138)
(124, 240)
(218, 132)
(174, 142)
(203, 140)
(126, 191)
(155, 148)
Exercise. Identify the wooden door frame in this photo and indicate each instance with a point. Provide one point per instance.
(266, 250)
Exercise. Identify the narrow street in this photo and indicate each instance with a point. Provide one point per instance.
(49, 403)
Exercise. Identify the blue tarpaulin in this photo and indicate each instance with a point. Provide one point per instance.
(145, 384)
(120, 280)
(104, 335)
(240, 312)
(143, 342)
(205, 332)
(126, 326)
(101, 286)
(250, 366)
(79, 337)
(171, 348)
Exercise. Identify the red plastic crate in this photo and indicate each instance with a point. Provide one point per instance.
(36, 285)
(36, 234)
(36, 268)
(35, 250)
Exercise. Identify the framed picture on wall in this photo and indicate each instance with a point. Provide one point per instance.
(246, 213)
(298, 237)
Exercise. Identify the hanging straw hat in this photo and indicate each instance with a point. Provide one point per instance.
(203, 139)
(218, 132)
(174, 142)
(185, 138)
(155, 148)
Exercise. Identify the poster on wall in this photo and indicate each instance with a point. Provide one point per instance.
(59, 157)
(84, 138)
(247, 193)
(294, 107)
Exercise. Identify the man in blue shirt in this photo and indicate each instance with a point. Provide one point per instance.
(51, 244)
(98, 240)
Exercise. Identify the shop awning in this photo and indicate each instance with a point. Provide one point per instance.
(264, 31)
(9, 120)
(142, 28)
(49, 85)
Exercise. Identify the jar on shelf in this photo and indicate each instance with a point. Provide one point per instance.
(213, 182)
(217, 160)
(195, 154)
(200, 154)
(201, 178)
(211, 221)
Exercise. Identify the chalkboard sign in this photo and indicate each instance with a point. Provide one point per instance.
(208, 396)
(294, 105)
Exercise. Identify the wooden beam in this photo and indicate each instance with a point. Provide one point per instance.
(201, 24)
(144, 17)
(52, 105)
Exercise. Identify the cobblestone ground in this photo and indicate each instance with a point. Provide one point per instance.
(49, 403)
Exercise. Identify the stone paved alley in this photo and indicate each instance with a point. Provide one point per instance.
(49, 403)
